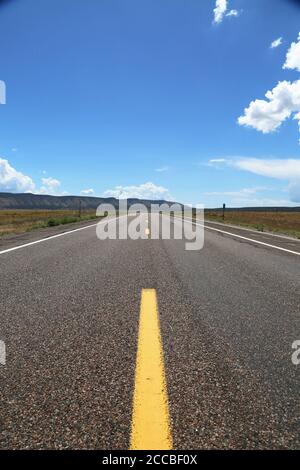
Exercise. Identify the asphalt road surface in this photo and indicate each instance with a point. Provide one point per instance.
(70, 317)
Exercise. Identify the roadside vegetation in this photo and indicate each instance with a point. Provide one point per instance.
(287, 223)
(20, 221)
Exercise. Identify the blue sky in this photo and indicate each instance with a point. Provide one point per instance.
(142, 98)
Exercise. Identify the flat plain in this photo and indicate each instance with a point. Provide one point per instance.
(287, 223)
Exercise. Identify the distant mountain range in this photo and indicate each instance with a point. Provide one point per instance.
(45, 202)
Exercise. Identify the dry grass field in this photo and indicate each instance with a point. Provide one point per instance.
(18, 221)
(273, 221)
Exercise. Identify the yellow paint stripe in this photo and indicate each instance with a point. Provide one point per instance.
(150, 420)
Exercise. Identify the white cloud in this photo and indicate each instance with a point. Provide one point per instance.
(294, 190)
(241, 201)
(12, 180)
(87, 192)
(293, 56)
(51, 182)
(50, 186)
(280, 169)
(283, 169)
(2, 92)
(221, 10)
(245, 192)
(280, 104)
(268, 115)
(215, 161)
(162, 169)
(276, 168)
(232, 13)
(276, 43)
(143, 191)
(286, 170)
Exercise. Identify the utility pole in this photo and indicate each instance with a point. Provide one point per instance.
(224, 208)
(80, 203)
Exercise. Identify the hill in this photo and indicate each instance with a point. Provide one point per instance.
(45, 202)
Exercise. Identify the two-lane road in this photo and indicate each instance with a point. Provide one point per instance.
(225, 318)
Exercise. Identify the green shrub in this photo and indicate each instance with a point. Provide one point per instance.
(68, 220)
(52, 222)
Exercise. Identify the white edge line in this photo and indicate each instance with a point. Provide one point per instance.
(256, 232)
(41, 240)
(244, 238)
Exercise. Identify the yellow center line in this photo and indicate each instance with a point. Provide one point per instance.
(151, 428)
